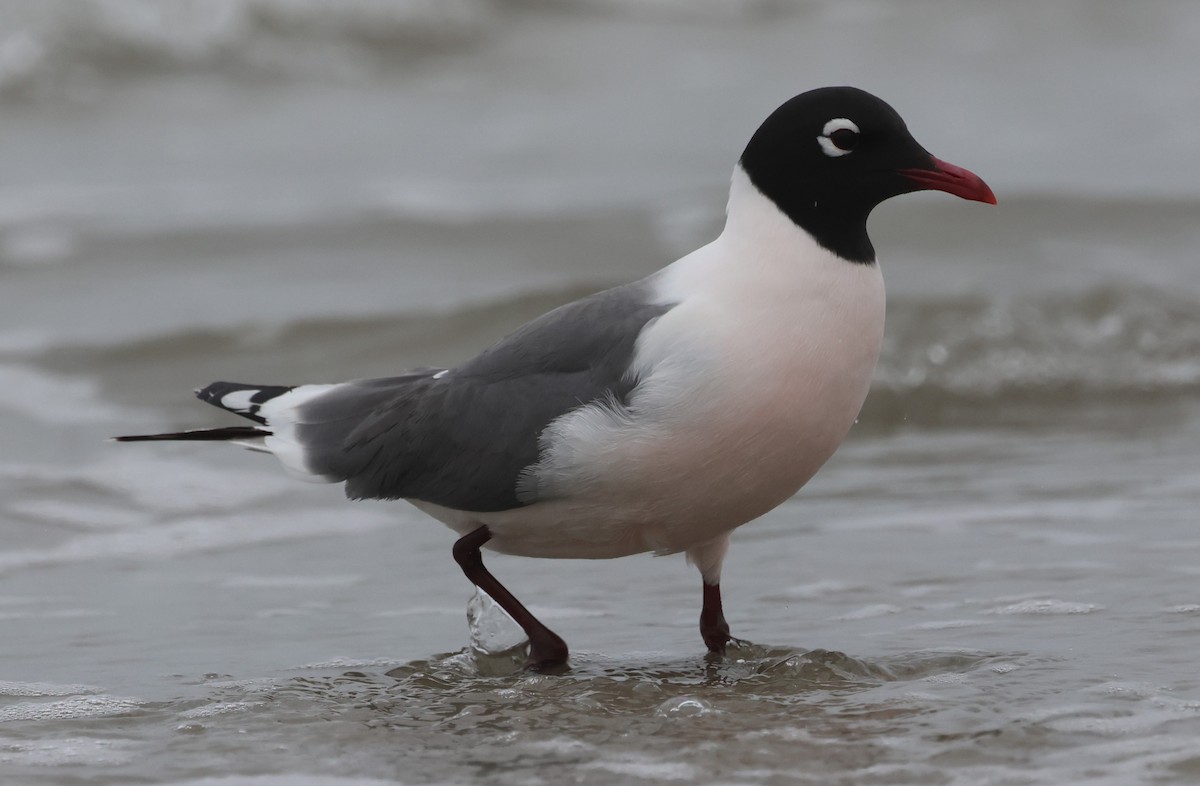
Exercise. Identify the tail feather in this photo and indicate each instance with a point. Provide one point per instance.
(235, 397)
(225, 433)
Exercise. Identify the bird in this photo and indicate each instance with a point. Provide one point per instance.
(656, 416)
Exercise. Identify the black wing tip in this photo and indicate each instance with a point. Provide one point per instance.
(262, 393)
(216, 392)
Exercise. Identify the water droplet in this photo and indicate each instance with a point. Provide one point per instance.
(683, 707)
(493, 632)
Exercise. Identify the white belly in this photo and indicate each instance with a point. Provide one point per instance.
(743, 397)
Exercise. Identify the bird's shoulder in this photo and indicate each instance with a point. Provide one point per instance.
(599, 330)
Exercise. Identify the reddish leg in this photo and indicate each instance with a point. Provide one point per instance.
(545, 648)
(713, 626)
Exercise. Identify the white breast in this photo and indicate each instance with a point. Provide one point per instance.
(745, 389)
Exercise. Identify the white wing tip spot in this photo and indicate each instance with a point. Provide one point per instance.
(238, 400)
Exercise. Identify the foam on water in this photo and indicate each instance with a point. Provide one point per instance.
(1049, 606)
(349, 663)
(43, 689)
(222, 708)
(644, 768)
(1075, 349)
(72, 752)
(75, 708)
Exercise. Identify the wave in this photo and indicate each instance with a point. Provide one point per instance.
(970, 358)
(1010, 357)
(68, 43)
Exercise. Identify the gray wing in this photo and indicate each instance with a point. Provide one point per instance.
(461, 438)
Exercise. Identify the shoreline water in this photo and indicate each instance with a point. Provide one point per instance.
(992, 582)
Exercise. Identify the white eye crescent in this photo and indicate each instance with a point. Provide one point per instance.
(838, 137)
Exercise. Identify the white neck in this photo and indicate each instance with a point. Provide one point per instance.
(760, 249)
(750, 217)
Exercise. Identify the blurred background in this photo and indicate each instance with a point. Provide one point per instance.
(288, 191)
(293, 189)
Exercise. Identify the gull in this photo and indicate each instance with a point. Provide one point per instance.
(658, 416)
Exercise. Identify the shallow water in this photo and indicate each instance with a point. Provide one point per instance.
(995, 581)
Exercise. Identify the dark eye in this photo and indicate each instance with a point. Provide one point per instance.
(838, 137)
(844, 139)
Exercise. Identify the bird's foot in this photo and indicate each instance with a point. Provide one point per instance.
(714, 630)
(723, 648)
(547, 654)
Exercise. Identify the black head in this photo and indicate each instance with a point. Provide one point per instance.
(827, 157)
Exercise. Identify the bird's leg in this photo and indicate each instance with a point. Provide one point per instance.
(713, 626)
(545, 647)
(707, 557)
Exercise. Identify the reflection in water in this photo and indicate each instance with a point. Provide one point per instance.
(475, 715)
(464, 690)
